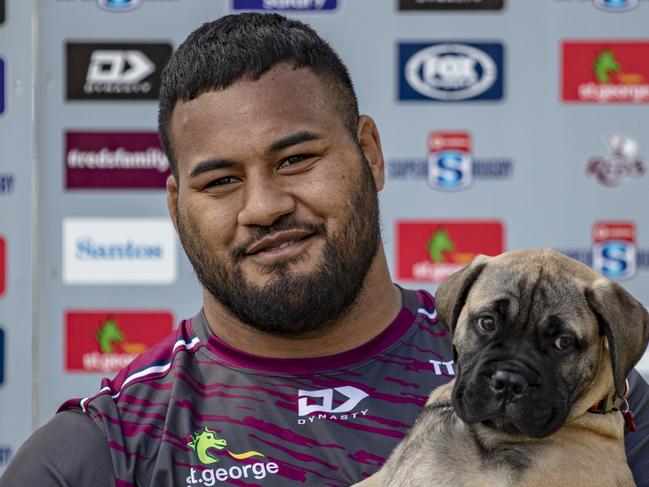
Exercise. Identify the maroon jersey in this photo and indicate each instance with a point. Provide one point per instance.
(194, 411)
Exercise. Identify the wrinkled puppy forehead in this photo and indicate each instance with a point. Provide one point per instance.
(532, 285)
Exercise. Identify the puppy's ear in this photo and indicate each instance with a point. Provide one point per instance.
(626, 325)
(452, 293)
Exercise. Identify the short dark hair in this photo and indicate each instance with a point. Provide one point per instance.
(224, 51)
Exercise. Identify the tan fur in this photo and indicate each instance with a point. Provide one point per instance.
(587, 451)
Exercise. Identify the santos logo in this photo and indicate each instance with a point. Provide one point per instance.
(118, 251)
(352, 396)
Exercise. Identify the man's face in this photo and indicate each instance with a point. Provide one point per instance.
(276, 204)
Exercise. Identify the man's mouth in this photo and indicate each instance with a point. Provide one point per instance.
(279, 242)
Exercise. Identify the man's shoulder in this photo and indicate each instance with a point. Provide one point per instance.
(154, 364)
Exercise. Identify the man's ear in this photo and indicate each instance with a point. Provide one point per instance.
(626, 325)
(452, 293)
(172, 200)
(367, 135)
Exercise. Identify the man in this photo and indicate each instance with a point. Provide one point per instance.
(306, 364)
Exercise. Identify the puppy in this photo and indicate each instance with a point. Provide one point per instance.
(542, 345)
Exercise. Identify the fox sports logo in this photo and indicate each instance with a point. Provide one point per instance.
(451, 72)
(119, 5)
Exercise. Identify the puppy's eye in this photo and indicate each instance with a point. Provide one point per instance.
(486, 324)
(563, 342)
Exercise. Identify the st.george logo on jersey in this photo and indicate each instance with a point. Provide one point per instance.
(450, 165)
(614, 249)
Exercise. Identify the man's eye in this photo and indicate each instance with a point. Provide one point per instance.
(223, 181)
(289, 161)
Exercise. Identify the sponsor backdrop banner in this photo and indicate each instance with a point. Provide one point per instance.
(451, 4)
(451, 71)
(2, 86)
(119, 251)
(285, 6)
(17, 242)
(106, 341)
(606, 72)
(114, 160)
(504, 124)
(111, 71)
(3, 265)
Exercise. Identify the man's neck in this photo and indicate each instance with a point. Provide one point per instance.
(377, 305)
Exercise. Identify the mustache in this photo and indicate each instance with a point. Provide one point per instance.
(285, 223)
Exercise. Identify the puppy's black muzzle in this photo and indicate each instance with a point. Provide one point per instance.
(515, 393)
(507, 385)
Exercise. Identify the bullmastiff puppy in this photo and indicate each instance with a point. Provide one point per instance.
(542, 346)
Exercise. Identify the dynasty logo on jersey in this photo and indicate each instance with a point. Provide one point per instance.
(324, 404)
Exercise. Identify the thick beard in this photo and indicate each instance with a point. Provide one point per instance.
(292, 304)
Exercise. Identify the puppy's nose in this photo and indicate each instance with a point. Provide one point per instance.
(509, 384)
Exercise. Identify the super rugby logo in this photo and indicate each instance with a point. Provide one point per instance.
(450, 166)
(324, 404)
(614, 249)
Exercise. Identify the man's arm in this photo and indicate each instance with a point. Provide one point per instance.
(637, 444)
(68, 451)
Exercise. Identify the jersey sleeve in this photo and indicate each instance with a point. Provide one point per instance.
(68, 451)
(637, 443)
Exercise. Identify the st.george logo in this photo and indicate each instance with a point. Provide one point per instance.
(118, 5)
(208, 446)
(206, 442)
(326, 397)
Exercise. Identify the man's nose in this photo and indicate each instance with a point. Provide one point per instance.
(265, 200)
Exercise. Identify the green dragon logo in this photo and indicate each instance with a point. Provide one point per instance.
(108, 335)
(207, 439)
(439, 243)
(441, 248)
(604, 65)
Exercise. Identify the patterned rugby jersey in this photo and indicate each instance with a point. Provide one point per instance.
(193, 411)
